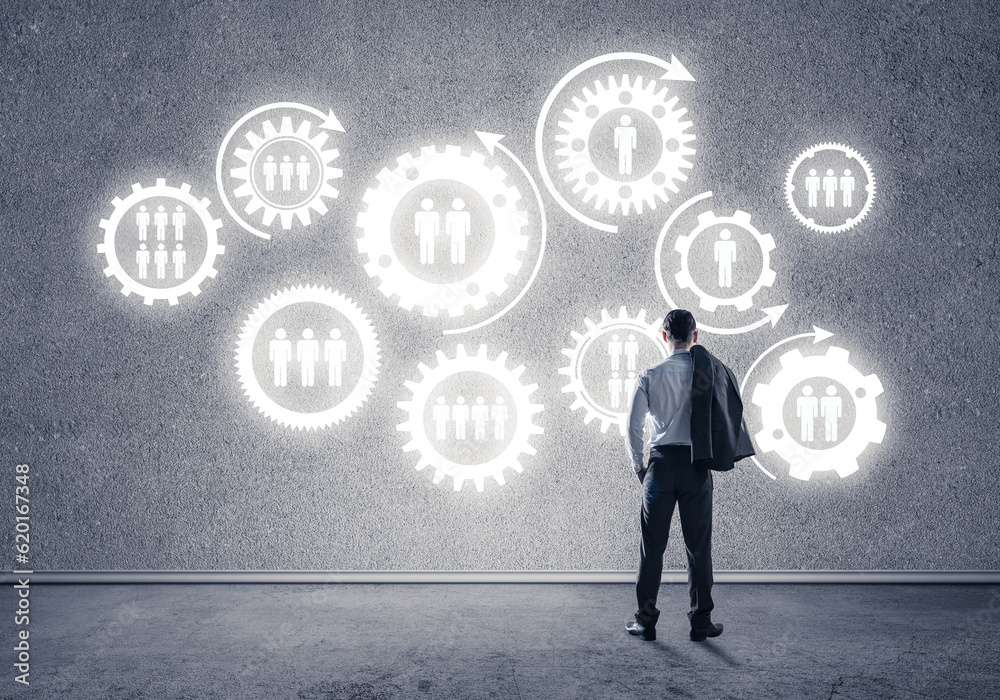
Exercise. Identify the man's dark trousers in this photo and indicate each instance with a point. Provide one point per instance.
(672, 479)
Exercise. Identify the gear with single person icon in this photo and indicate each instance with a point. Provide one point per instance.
(740, 219)
(585, 342)
(522, 407)
(211, 226)
(412, 290)
(574, 155)
(810, 221)
(774, 436)
(251, 384)
(314, 195)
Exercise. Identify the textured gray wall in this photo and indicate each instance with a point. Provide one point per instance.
(145, 454)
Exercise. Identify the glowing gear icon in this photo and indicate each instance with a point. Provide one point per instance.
(796, 368)
(199, 207)
(808, 154)
(586, 342)
(587, 180)
(705, 300)
(314, 197)
(307, 294)
(523, 410)
(412, 171)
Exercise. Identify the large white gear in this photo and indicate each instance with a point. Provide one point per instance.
(604, 191)
(708, 301)
(412, 171)
(251, 385)
(574, 370)
(523, 412)
(257, 143)
(869, 188)
(213, 249)
(796, 368)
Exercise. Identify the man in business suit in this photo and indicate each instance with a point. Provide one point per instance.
(695, 414)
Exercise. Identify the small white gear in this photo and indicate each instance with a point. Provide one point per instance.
(376, 238)
(369, 348)
(182, 194)
(523, 412)
(708, 301)
(259, 142)
(869, 188)
(602, 191)
(574, 370)
(803, 461)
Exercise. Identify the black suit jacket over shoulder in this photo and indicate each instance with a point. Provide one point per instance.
(719, 436)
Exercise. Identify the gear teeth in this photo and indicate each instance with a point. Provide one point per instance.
(523, 410)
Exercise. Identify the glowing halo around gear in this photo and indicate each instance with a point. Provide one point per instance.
(268, 406)
(412, 171)
(707, 301)
(259, 201)
(574, 370)
(213, 249)
(790, 187)
(774, 436)
(601, 191)
(422, 390)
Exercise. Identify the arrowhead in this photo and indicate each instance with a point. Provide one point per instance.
(821, 334)
(331, 122)
(489, 140)
(676, 71)
(774, 313)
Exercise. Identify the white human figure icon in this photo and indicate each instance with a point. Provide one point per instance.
(307, 354)
(160, 259)
(179, 220)
(160, 220)
(280, 355)
(831, 407)
(830, 187)
(615, 387)
(615, 348)
(335, 353)
(847, 186)
(498, 412)
(458, 227)
(460, 414)
(807, 408)
(302, 170)
(142, 259)
(630, 383)
(428, 225)
(142, 221)
(480, 414)
(725, 255)
(270, 169)
(812, 187)
(440, 415)
(286, 170)
(626, 138)
(179, 257)
(631, 351)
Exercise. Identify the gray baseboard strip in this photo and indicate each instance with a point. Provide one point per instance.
(313, 576)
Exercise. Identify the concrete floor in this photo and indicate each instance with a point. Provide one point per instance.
(361, 642)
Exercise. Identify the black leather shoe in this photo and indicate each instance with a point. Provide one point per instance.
(647, 634)
(702, 633)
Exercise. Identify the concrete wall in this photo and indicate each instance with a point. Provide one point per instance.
(145, 453)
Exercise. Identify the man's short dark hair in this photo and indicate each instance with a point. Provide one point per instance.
(679, 326)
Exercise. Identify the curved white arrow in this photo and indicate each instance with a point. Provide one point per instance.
(771, 313)
(672, 71)
(492, 143)
(818, 335)
(328, 121)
